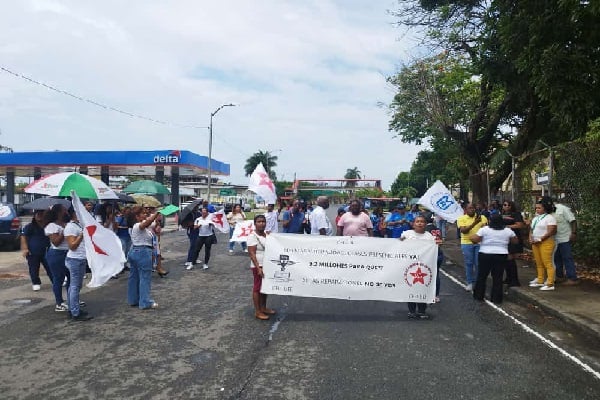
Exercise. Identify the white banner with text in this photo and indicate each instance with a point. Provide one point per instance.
(351, 268)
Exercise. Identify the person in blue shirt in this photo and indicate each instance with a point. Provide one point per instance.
(34, 244)
(398, 221)
(211, 209)
(292, 219)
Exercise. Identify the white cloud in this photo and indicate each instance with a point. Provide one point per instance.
(308, 77)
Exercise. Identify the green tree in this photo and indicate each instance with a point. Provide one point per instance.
(402, 187)
(352, 173)
(268, 161)
(542, 58)
(442, 99)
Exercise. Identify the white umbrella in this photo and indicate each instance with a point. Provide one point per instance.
(62, 183)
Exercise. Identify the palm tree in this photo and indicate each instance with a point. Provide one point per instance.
(352, 173)
(267, 160)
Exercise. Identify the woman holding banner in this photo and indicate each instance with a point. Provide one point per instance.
(256, 251)
(417, 310)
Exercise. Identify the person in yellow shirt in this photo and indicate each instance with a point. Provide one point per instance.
(468, 225)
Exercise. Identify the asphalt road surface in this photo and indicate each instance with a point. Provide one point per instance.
(204, 343)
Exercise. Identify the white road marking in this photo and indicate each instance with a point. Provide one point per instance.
(530, 330)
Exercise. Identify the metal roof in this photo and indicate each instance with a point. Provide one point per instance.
(121, 162)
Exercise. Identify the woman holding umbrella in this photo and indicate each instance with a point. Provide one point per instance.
(55, 222)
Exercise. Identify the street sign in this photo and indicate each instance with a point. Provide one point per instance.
(542, 179)
(227, 192)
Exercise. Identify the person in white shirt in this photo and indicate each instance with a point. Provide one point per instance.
(566, 234)
(319, 222)
(256, 251)
(541, 237)
(76, 263)
(272, 218)
(493, 256)
(417, 310)
(206, 236)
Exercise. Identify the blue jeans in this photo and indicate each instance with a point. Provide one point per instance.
(471, 255)
(193, 236)
(56, 262)
(140, 275)
(33, 262)
(231, 244)
(76, 267)
(563, 261)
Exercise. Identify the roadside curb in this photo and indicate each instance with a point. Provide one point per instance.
(521, 295)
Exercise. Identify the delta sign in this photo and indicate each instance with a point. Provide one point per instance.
(173, 157)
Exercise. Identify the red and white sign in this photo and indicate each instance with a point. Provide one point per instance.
(351, 268)
(242, 231)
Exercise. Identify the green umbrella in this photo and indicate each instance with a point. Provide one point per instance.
(147, 187)
(168, 210)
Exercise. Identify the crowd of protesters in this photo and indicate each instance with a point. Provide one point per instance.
(491, 239)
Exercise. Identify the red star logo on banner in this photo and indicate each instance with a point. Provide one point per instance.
(218, 219)
(91, 229)
(418, 276)
(246, 231)
(264, 180)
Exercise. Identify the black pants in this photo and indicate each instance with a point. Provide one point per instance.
(412, 307)
(205, 241)
(495, 264)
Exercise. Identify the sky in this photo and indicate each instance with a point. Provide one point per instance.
(308, 79)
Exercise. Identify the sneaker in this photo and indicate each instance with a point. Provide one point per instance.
(568, 282)
(36, 287)
(230, 251)
(546, 287)
(190, 267)
(469, 287)
(81, 317)
(412, 315)
(423, 316)
(61, 307)
(534, 283)
(205, 266)
(187, 264)
(82, 303)
(245, 250)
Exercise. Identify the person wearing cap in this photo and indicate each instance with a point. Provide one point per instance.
(272, 217)
(398, 221)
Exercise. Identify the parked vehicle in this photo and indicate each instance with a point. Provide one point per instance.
(10, 227)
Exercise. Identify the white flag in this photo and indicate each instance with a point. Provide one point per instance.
(261, 184)
(220, 221)
(242, 230)
(102, 246)
(439, 200)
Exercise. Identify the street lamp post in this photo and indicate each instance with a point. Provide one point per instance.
(210, 137)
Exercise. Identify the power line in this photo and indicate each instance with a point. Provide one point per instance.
(95, 103)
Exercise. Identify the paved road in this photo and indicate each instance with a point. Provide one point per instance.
(203, 343)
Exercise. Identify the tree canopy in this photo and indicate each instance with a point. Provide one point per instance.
(268, 161)
(505, 75)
